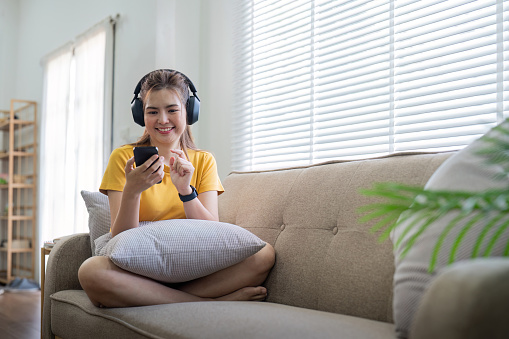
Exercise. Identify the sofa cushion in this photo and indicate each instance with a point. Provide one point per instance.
(468, 299)
(465, 171)
(180, 250)
(326, 260)
(99, 219)
(221, 319)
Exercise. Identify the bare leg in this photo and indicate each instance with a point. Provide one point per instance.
(249, 273)
(108, 285)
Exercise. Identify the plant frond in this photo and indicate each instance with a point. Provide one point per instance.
(441, 239)
(373, 210)
(386, 222)
(389, 229)
(486, 228)
(422, 215)
(496, 236)
(461, 235)
(427, 223)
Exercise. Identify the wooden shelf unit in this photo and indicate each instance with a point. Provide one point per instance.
(18, 160)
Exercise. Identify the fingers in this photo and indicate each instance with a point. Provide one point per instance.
(181, 166)
(148, 173)
(129, 165)
(153, 160)
(180, 153)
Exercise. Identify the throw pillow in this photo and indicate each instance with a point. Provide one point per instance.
(99, 220)
(179, 250)
(464, 171)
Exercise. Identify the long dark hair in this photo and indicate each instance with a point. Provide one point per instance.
(174, 81)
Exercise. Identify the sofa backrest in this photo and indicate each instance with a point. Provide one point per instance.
(325, 259)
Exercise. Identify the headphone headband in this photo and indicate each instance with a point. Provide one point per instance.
(137, 90)
(192, 104)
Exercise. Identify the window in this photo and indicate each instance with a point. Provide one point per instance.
(330, 79)
(75, 129)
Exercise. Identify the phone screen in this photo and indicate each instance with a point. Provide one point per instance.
(142, 154)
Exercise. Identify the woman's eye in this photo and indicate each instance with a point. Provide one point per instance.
(151, 112)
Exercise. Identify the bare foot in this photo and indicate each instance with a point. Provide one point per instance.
(246, 294)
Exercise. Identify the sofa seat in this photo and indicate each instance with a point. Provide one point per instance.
(205, 320)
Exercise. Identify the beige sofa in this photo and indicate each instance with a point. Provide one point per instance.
(332, 278)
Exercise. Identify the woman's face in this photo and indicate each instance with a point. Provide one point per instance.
(165, 118)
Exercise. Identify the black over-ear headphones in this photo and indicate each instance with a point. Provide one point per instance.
(192, 105)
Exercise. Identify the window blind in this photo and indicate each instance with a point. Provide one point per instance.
(327, 79)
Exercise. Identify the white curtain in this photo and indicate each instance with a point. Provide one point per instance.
(74, 138)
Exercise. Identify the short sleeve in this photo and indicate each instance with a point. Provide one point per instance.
(114, 176)
(207, 178)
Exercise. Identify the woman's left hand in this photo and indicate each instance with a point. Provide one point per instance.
(181, 172)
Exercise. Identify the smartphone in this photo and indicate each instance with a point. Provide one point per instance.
(143, 153)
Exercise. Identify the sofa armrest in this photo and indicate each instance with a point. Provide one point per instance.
(62, 271)
(469, 299)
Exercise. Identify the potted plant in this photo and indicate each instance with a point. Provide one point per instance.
(487, 209)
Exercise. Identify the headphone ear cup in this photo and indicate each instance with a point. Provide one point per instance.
(193, 110)
(137, 110)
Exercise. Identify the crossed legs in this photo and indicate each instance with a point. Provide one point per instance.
(109, 286)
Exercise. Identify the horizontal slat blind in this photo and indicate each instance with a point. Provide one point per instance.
(352, 79)
(329, 79)
(445, 74)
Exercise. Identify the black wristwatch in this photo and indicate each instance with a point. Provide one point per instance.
(189, 197)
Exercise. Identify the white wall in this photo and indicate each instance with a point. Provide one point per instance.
(214, 128)
(8, 46)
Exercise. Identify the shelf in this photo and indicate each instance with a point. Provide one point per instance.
(4, 123)
(25, 147)
(5, 155)
(18, 158)
(17, 217)
(6, 186)
(16, 250)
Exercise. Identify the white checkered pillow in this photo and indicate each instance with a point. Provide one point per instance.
(180, 250)
(99, 220)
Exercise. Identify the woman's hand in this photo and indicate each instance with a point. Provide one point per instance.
(181, 172)
(144, 176)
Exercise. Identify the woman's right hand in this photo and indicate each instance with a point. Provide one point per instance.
(144, 176)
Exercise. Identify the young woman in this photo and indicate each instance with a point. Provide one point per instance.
(134, 195)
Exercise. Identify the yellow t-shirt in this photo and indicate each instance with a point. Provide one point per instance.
(161, 201)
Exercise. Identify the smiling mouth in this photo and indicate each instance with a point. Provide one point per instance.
(165, 129)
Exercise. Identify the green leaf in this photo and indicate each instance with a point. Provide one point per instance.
(441, 239)
(389, 219)
(418, 218)
(379, 210)
(486, 228)
(389, 229)
(461, 235)
(428, 222)
(495, 237)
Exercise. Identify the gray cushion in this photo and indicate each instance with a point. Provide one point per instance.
(465, 171)
(99, 219)
(216, 319)
(181, 249)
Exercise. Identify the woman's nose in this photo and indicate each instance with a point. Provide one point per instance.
(163, 119)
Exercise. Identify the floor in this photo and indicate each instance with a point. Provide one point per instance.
(20, 315)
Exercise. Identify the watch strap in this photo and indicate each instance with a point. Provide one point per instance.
(189, 197)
